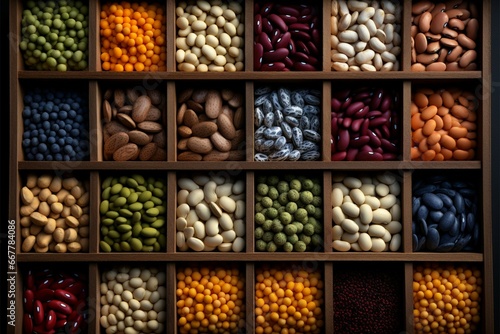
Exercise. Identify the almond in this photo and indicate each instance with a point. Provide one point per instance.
(204, 129)
(213, 104)
(155, 96)
(182, 144)
(220, 143)
(236, 101)
(126, 120)
(197, 107)
(132, 95)
(119, 98)
(236, 155)
(160, 139)
(160, 155)
(151, 127)
(180, 113)
(138, 137)
(141, 108)
(200, 95)
(189, 156)
(227, 94)
(108, 94)
(204, 118)
(184, 131)
(190, 118)
(154, 114)
(216, 156)
(115, 142)
(148, 151)
(199, 145)
(107, 113)
(185, 95)
(125, 109)
(239, 118)
(226, 127)
(238, 141)
(226, 110)
(114, 127)
(127, 152)
(114, 111)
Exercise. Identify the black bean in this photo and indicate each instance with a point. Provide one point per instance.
(432, 239)
(445, 247)
(415, 205)
(458, 200)
(424, 190)
(436, 216)
(432, 201)
(415, 242)
(471, 221)
(447, 201)
(423, 226)
(422, 212)
(446, 221)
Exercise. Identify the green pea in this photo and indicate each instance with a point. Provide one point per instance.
(60, 46)
(62, 60)
(33, 38)
(23, 45)
(43, 57)
(67, 54)
(72, 33)
(57, 23)
(65, 16)
(37, 53)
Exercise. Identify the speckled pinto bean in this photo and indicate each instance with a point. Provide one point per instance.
(443, 125)
(286, 37)
(447, 298)
(445, 216)
(443, 36)
(54, 301)
(368, 299)
(365, 125)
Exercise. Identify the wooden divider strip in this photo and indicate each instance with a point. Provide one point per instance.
(249, 295)
(326, 150)
(328, 277)
(408, 292)
(327, 211)
(250, 212)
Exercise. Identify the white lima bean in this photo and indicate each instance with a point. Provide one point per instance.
(361, 26)
(211, 215)
(210, 36)
(366, 213)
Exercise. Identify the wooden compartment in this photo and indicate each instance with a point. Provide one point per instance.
(95, 81)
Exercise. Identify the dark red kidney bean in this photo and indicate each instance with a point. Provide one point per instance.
(275, 35)
(278, 66)
(66, 297)
(28, 300)
(335, 104)
(378, 133)
(266, 8)
(50, 321)
(46, 283)
(283, 41)
(288, 19)
(27, 323)
(301, 46)
(38, 313)
(44, 294)
(389, 156)
(354, 108)
(347, 102)
(278, 22)
(385, 131)
(60, 323)
(369, 156)
(62, 283)
(344, 139)
(266, 25)
(301, 35)
(362, 96)
(76, 288)
(351, 154)
(374, 139)
(377, 99)
(257, 24)
(30, 280)
(316, 36)
(335, 128)
(364, 126)
(366, 148)
(342, 95)
(314, 23)
(347, 122)
(339, 156)
(76, 324)
(288, 62)
(299, 56)
(40, 329)
(386, 103)
(362, 113)
(265, 41)
(388, 146)
(60, 307)
(287, 10)
(275, 55)
(258, 52)
(303, 66)
(299, 26)
(305, 19)
(291, 46)
(378, 150)
(312, 48)
(306, 11)
(356, 124)
(359, 141)
(374, 113)
(378, 121)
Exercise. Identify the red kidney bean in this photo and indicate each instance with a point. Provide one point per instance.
(266, 26)
(257, 24)
(344, 139)
(298, 34)
(303, 66)
(278, 22)
(27, 323)
(336, 104)
(28, 300)
(266, 8)
(289, 19)
(288, 62)
(299, 56)
(45, 284)
(258, 52)
(339, 156)
(265, 40)
(347, 122)
(356, 124)
(66, 297)
(299, 26)
(313, 49)
(38, 313)
(283, 40)
(50, 321)
(59, 306)
(369, 156)
(275, 55)
(278, 66)
(288, 10)
(44, 295)
(76, 288)
(354, 108)
(351, 154)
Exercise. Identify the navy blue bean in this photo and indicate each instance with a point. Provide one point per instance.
(422, 212)
(455, 228)
(432, 201)
(436, 216)
(422, 224)
(432, 239)
(415, 205)
(415, 242)
(471, 221)
(445, 247)
(447, 201)
(458, 201)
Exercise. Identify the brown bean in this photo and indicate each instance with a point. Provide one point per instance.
(439, 7)
(466, 42)
(456, 24)
(450, 33)
(453, 66)
(438, 22)
(433, 37)
(424, 23)
(448, 42)
(459, 111)
(454, 54)
(467, 58)
(472, 29)
(437, 66)
(421, 6)
(427, 59)
(417, 67)
(420, 43)
(432, 47)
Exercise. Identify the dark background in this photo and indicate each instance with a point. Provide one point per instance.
(6, 195)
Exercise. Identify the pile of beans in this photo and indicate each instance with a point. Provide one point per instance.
(133, 127)
(210, 214)
(55, 125)
(366, 213)
(210, 36)
(132, 214)
(210, 125)
(54, 301)
(365, 35)
(447, 299)
(210, 300)
(288, 301)
(287, 124)
(443, 124)
(54, 214)
(443, 35)
(287, 37)
(133, 300)
(55, 35)
(365, 125)
(445, 215)
(368, 299)
(288, 214)
(133, 37)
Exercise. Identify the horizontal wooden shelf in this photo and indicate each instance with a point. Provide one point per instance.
(247, 75)
(192, 257)
(245, 165)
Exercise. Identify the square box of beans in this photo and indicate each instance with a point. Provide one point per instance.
(133, 122)
(210, 122)
(287, 36)
(132, 213)
(287, 123)
(444, 35)
(210, 36)
(132, 299)
(210, 299)
(210, 212)
(55, 123)
(133, 36)
(54, 213)
(444, 124)
(366, 36)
